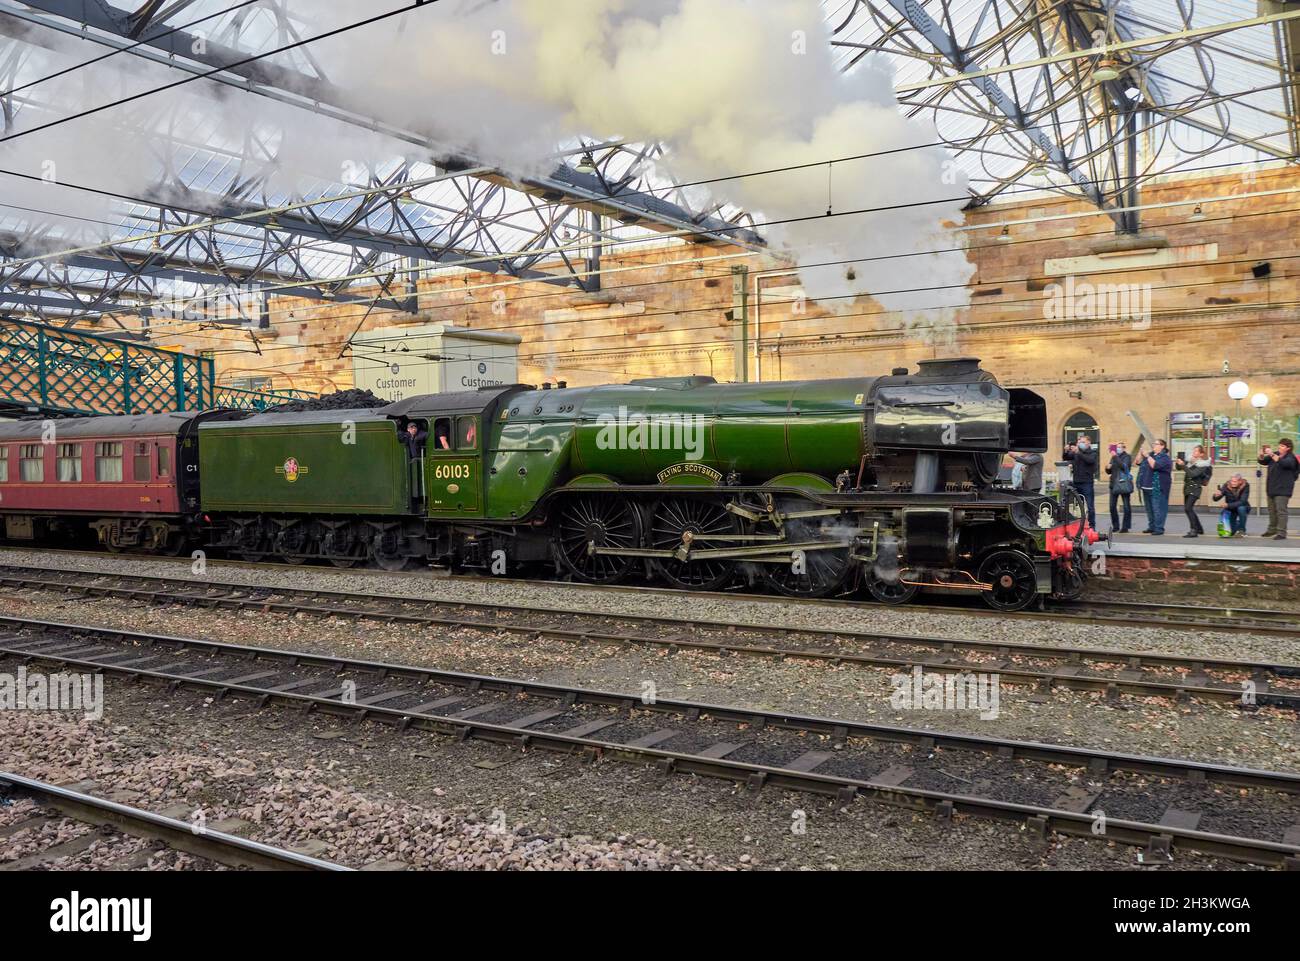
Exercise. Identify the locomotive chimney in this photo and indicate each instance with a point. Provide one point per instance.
(949, 367)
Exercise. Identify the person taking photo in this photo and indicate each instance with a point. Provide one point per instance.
(1279, 485)
(1196, 474)
(1120, 470)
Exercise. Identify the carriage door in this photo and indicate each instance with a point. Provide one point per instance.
(454, 466)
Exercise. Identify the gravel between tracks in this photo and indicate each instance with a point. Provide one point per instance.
(738, 610)
(364, 793)
(1214, 732)
(560, 798)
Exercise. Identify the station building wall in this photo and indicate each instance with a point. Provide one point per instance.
(1163, 319)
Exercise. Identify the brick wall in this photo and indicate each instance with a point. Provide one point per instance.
(658, 315)
(1271, 585)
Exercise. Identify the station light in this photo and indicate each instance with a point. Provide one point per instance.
(1259, 401)
(1239, 390)
(1106, 70)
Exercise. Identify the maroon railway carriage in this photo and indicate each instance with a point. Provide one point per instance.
(128, 482)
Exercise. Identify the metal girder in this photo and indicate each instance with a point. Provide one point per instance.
(168, 265)
(303, 224)
(312, 227)
(370, 232)
(180, 49)
(44, 301)
(993, 71)
(1006, 104)
(1288, 63)
(1119, 114)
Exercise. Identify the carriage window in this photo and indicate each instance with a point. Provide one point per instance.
(68, 465)
(108, 463)
(164, 462)
(142, 466)
(442, 434)
(31, 463)
(4, 465)
(467, 433)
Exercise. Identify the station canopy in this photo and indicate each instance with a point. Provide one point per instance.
(1019, 90)
(1016, 88)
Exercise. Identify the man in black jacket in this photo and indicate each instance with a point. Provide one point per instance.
(1121, 489)
(1197, 473)
(1283, 468)
(1084, 458)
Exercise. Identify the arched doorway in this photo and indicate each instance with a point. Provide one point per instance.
(1083, 424)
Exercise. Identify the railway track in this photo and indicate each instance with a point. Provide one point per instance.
(1164, 805)
(1231, 619)
(111, 821)
(1246, 683)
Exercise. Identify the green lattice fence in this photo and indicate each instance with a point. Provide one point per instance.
(60, 370)
(238, 398)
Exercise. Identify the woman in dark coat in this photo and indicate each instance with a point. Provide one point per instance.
(1121, 489)
(1197, 473)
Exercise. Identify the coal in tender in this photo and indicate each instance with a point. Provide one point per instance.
(340, 400)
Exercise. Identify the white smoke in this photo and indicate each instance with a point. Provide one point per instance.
(731, 86)
(136, 148)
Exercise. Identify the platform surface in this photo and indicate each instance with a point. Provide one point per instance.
(1209, 546)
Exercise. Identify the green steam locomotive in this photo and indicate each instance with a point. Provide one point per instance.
(812, 489)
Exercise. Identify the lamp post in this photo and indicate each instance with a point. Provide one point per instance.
(1238, 391)
(1259, 402)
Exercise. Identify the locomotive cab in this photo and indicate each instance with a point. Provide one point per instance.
(451, 478)
(1027, 422)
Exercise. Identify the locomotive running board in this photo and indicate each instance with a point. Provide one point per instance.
(718, 554)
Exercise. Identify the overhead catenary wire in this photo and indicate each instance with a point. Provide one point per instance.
(495, 257)
(268, 53)
(560, 361)
(878, 314)
(912, 312)
(559, 294)
(297, 44)
(793, 269)
(408, 186)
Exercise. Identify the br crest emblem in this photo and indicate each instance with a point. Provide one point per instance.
(292, 470)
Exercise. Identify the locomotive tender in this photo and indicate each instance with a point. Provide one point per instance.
(810, 488)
